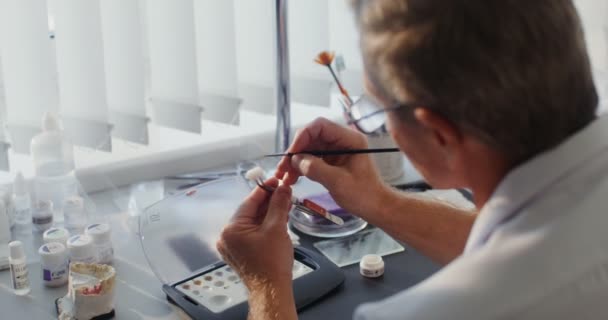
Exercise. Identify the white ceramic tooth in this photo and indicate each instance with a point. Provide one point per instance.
(255, 174)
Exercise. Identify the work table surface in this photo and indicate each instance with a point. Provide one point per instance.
(139, 294)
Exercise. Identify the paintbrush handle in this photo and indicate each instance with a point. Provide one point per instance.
(334, 152)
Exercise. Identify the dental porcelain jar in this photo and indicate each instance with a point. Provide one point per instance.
(371, 266)
(54, 262)
(60, 235)
(82, 249)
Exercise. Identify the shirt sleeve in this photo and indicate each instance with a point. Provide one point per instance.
(462, 290)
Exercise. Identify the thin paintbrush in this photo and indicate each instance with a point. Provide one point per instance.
(332, 152)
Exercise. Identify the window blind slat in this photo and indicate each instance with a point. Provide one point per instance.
(173, 67)
(124, 67)
(344, 40)
(309, 34)
(28, 69)
(80, 65)
(216, 52)
(255, 54)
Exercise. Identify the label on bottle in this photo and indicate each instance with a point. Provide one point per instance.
(22, 215)
(42, 219)
(57, 273)
(19, 276)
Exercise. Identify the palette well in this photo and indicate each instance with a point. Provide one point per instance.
(222, 289)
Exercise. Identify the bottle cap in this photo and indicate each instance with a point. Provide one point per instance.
(50, 122)
(60, 235)
(99, 232)
(44, 205)
(19, 186)
(16, 249)
(53, 253)
(73, 204)
(81, 246)
(371, 266)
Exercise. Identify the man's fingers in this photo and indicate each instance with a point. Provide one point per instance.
(250, 207)
(315, 169)
(278, 207)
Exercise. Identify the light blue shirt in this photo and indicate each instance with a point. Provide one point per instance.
(538, 250)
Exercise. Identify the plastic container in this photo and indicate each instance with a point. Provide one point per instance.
(42, 217)
(100, 233)
(22, 204)
(81, 249)
(54, 262)
(371, 266)
(19, 273)
(390, 165)
(53, 165)
(60, 235)
(74, 214)
(317, 226)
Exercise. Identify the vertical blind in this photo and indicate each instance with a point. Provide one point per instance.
(108, 67)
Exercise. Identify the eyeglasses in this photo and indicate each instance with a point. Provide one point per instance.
(366, 115)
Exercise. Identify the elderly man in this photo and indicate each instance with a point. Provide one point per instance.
(492, 95)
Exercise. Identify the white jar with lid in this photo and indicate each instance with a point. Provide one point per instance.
(55, 234)
(81, 249)
(371, 266)
(100, 233)
(54, 261)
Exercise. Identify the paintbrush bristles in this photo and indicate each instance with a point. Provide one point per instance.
(325, 58)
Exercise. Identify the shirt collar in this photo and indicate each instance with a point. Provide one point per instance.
(526, 183)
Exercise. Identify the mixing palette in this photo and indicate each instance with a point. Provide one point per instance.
(216, 291)
(222, 289)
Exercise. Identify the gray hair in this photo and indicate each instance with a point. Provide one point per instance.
(513, 72)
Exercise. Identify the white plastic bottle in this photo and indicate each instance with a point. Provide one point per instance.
(53, 158)
(5, 237)
(22, 205)
(19, 273)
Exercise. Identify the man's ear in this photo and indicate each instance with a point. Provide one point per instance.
(444, 133)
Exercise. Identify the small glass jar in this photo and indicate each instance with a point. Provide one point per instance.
(74, 214)
(42, 217)
(100, 233)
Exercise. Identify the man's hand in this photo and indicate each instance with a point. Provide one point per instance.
(352, 180)
(256, 245)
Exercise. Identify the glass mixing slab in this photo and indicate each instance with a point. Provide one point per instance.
(179, 233)
(317, 226)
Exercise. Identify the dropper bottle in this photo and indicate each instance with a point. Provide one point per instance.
(22, 203)
(19, 274)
